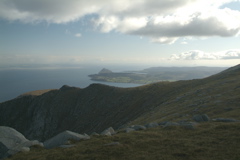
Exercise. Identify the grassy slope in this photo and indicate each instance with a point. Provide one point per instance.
(217, 96)
(37, 93)
(209, 141)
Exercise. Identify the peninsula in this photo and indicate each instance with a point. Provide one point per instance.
(155, 74)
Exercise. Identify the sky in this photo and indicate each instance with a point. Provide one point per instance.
(140, 32)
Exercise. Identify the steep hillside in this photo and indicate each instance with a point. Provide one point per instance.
(97, 107)
(217, 96)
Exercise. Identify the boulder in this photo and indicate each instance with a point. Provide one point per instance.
(127, 130)
(11, 142)
(138, 127)
(169, 124)
(201, 118)
(225, 120)
(3, 151)
(152, 125)
(94, 134)
(67, 146)
(108, 132)
(63, 139)
(188, 125)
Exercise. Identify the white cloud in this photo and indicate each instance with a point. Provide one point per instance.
(162, 21)
(184, 42)
(200, 55)
(78, 35)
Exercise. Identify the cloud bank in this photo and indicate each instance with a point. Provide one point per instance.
(162, 21)
(78, 35)
(200, 55)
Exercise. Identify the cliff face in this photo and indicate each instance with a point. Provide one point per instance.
(98, 107)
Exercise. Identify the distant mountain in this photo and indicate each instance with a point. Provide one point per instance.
(104, 70)
(97, 107)
(156, 74)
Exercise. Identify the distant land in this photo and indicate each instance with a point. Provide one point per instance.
(156, 74)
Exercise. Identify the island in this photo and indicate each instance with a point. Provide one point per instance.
(155, 74)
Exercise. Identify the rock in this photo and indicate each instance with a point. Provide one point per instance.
(63, 138)
(188, 125)
(108, 132)
(152, 125)
(168, 124)
(94, 134)
(127, 130)
(3, 151)
(13, 142)
(201, 118)
(225, 120)
(138, 127)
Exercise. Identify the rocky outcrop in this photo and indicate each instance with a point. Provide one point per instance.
(201, 118)
(225, 120)
(3, 151)
(152, 125)
(137, 127)
(127, 130)
(134, 128)
(12, 142)
(108, 132)
(62, 139)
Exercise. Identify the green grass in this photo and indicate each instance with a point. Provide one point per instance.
(209, 141)
(217, 96)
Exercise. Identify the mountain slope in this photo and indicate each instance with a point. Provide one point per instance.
(98, 107)
(218, 96)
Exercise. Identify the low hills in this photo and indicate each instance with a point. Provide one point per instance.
(156, 74)
(98, 106)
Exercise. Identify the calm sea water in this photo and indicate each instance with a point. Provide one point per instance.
(15, 82)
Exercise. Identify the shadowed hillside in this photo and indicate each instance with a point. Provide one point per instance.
(98, 107)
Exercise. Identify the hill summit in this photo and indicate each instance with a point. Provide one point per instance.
(104, 71)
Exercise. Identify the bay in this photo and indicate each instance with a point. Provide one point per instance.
(14, 82)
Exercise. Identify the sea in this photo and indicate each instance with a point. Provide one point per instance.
(16, 81)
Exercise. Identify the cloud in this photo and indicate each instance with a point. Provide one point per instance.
(231, 54)
(184, 42)
(78, 35)
(200, 55)
(162, 21)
